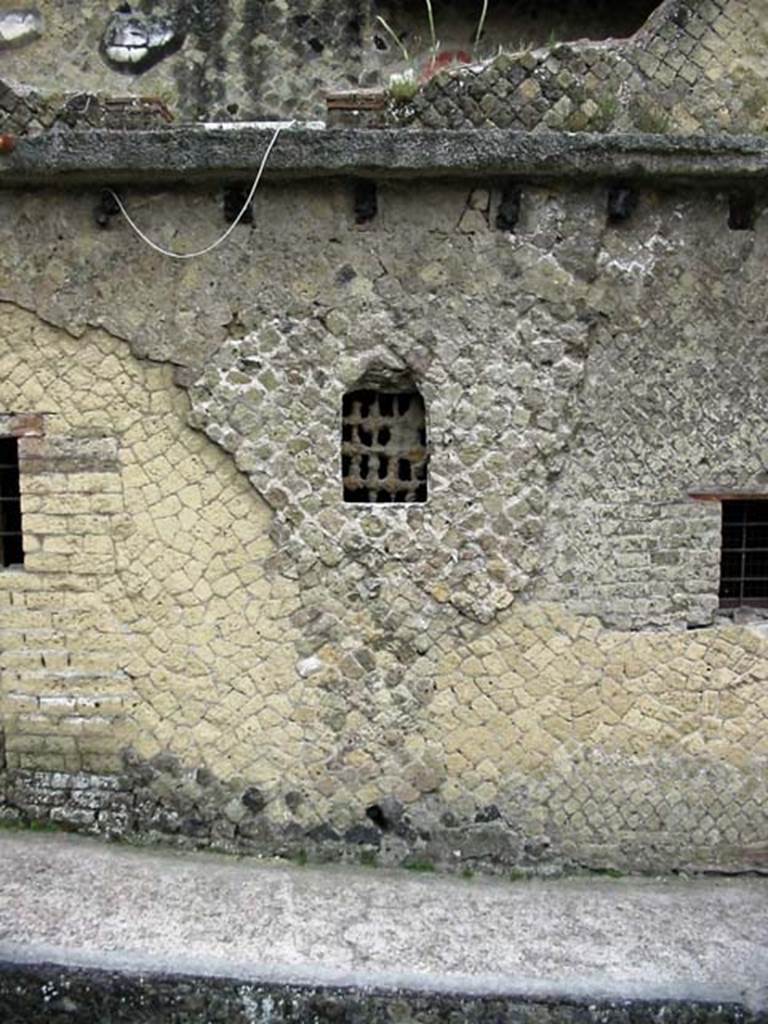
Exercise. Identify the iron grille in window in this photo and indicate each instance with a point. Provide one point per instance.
(744, 560)
(11, 547)
(384, 446)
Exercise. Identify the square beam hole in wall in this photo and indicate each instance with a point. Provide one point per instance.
(384, 452)
(742, 211)
(366, 201)
(234, 202)
(622, 203)
(11, 544)
(744, 554)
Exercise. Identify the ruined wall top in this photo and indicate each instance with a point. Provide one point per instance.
(679, 67)
(692, 68)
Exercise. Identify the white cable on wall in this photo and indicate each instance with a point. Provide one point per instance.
(214, 245)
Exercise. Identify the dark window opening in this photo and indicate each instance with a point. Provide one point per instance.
(744, 557)
(384, 451)
(11, 544)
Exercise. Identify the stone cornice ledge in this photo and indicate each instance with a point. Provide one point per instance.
(210, 153)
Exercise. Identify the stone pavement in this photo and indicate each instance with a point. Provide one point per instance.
(73, 901)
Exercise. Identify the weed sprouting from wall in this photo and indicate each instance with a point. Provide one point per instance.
(481, 23)
(394, 37)
(404, 85)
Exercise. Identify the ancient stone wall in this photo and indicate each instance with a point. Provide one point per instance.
(208, 643)
(211, 60)
(230, 59)
(681, 67)
(693, 68)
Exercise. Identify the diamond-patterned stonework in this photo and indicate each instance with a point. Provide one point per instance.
(693, 68)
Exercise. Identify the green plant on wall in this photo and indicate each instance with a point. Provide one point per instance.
(403, 86)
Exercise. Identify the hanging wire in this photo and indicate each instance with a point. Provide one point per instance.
(214, 245)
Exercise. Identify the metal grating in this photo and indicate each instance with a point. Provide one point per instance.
(384, 447)
(744, 558)
(11, 545)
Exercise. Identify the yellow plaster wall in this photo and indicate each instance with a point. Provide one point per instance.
(143, 615)
(146, 616)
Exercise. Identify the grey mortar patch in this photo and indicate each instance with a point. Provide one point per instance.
(499, 423)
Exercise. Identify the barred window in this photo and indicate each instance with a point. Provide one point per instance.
(11, 546)
(384, 446)
(744, 555)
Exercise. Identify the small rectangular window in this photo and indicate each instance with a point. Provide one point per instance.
(384, 446)
(11, 546)
(744, 555)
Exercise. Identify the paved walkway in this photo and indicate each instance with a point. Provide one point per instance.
(77, 901)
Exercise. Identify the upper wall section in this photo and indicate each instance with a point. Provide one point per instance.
(695, 67)
(683, 67)
(208, 60)
(240, 59)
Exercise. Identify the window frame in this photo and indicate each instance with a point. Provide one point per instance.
(380, 464)
(11, 519)
(743, 517)
(23, 428)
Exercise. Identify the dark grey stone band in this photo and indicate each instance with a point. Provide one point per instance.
(47, 992)
(200, 153)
